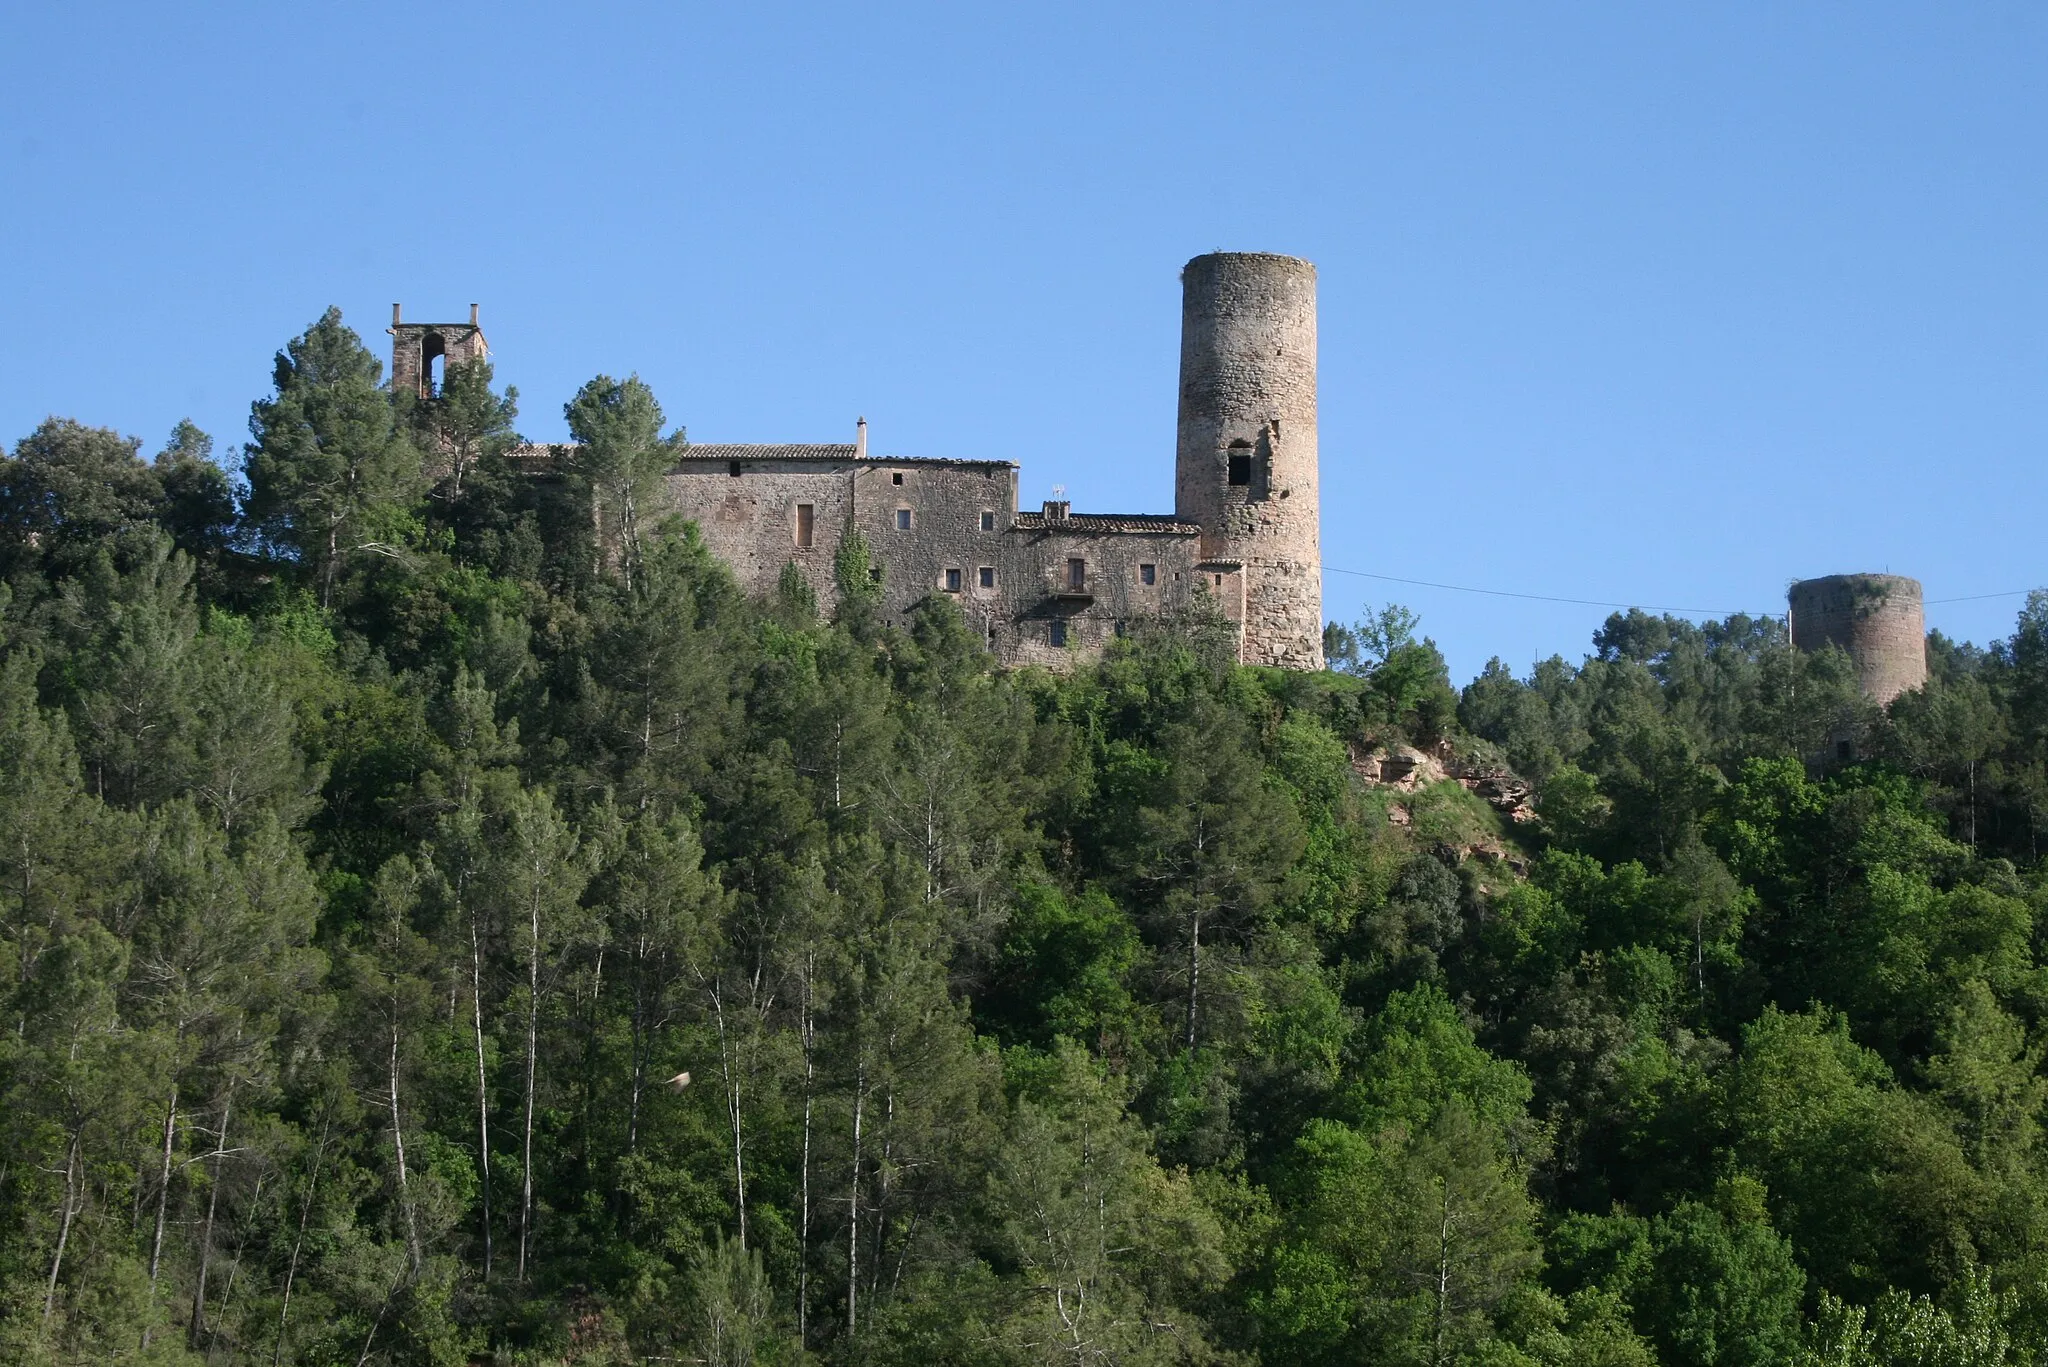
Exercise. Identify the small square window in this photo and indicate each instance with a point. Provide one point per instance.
(952, 581)
(733, 468)
(988, 576)
(896, 477)
(1148, 574)
(1240, 467)
(988, 521)
(1057, 633)
(903, 519)
(875, 575)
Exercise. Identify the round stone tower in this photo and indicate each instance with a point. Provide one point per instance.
(1246, 466)
(1877, 618)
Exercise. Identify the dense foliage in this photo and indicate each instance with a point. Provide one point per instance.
(442, 921)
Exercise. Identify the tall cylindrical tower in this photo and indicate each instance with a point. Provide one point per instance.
(1246, 466)
(1877, 618)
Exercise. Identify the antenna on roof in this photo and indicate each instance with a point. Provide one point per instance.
(1059, 491)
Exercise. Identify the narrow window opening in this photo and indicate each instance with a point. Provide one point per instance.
(433, 352)
(1240, 467)
(988, 521)
(903, 519)
(1219, 581)
(988, 576)
(875, 575)
(896, 477)
(733, 468)
(806, 524)
(1057, 633)
(1077, 574)
(952, 581)
(1148, 574)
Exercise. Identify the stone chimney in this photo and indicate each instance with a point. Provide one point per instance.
(1056, 509)
(472, 316)
(860, 438)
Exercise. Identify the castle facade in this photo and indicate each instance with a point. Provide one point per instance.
(1045, 585)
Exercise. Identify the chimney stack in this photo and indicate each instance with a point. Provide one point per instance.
(860, 439)
(472, 315)
(394, 315)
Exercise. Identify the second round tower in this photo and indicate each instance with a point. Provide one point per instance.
(1246, 463)
(1877, 618)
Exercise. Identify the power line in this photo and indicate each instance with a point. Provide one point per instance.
(1980, 597)
(1539, 597)
(1604, 603)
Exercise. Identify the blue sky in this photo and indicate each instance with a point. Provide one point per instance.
(1659, 304)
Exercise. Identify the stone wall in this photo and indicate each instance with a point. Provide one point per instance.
(939, 526)
(413, 343)
(1877, 618)
(1247, 462)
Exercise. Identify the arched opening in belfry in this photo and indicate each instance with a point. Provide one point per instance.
(433, 351)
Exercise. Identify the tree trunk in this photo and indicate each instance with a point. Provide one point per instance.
(853, 1209)
(64, 1223)
(483, 1097)
(729, 1064)
(808, 1033)
(532, 1048)
(163, 1193)
(412, 1228)
(196, 1331)
(1194, 975)
(291, 1271)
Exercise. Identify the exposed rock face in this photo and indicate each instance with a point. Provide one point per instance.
(1407, 769)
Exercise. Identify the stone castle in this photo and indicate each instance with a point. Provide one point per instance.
(1043, 586)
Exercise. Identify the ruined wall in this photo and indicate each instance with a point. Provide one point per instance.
(1877, 618)
(1246, 467)
(414, 344)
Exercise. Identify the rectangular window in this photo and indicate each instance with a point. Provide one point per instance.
(1057, 634)
(733, 468)
(1077, 574)
(988, 576)
(952, 581)
(896, 477)
(1148, 574)
(1240, 467)
(903, 519)
(988, 521)
(806, 524)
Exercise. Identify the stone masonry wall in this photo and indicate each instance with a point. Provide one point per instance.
(461, 343)
(1248, 393)
(1878, 618)
(962, 521)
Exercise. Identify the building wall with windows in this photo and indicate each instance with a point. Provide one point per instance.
(1039, 586)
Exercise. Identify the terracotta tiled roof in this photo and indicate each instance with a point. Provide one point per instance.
(837, 452)
(1110, 522)
(770, 451)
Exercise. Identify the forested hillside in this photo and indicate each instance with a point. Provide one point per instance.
(433, 934)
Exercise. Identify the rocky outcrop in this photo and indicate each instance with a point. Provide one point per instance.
(1406, 769)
